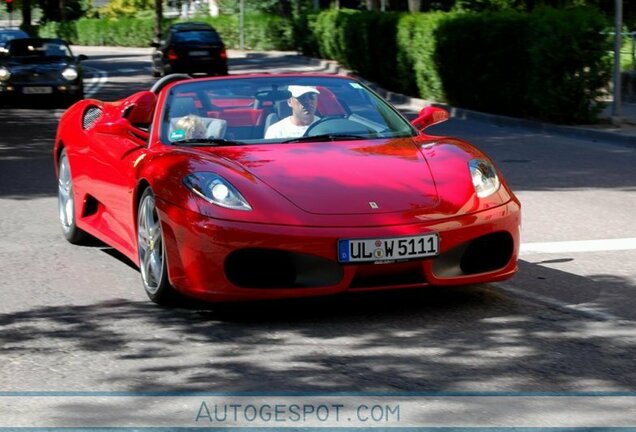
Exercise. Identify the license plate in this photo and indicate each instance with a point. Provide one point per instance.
(198, 53)
(387, 249)
(37, 90)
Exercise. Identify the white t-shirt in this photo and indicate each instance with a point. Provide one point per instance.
(286, 129)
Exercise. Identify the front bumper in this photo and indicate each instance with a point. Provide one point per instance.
(43, 89)
(219, 260)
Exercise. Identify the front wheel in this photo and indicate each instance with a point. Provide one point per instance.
(152, 252)
(66, 202)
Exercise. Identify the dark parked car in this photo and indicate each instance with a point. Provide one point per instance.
(190, 48)
(6, 34)
(40, 67)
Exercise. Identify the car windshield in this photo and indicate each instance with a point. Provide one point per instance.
(38, 48)
(277, 109)
(196, 36)
(7, 35)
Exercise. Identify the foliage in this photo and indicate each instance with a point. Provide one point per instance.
(231, 7)
(552, 66)
(97, 32)
(394, 50)
(362, 41)
(56, 10)
(567, 85)
(416, 43)
(126, 8)
(479, 71)
(262, 31)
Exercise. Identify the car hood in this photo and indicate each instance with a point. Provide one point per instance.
(378, 176)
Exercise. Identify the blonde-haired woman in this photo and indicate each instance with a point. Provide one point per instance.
(192, 127)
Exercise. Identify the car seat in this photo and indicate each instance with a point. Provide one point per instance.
(281, 110)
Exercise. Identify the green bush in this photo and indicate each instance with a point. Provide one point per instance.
(550, 65)
(264, 32)
(567, 86)
(362, 41)
(417, 72)
(98, 32)
(483, 60)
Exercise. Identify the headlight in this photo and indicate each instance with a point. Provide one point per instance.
(70, 74)
(217, 190)
(5, 73)
(484, 177)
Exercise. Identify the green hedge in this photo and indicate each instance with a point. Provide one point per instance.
(484, 61)
(549, 65)
(264, 32)
(362, 41)
(416, 46)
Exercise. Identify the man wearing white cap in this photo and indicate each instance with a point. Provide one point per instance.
(303, 102)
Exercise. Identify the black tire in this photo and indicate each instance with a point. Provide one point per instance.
(66, 202)
(152, 254)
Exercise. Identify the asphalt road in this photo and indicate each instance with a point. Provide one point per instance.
(76, 319)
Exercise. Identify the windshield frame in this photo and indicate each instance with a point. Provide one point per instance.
(37, 48)
(258, 91)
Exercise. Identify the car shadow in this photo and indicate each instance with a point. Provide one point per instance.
(434, 339)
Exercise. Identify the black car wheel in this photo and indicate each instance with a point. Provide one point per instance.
(66, 202)
(152, 252)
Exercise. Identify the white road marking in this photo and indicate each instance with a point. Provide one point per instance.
(129, 70)
(96, 82)
(579, 246)
(569, 247)
(581, 310)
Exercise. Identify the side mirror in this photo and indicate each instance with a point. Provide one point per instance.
(155, 44)
(429, 116)
(82, 57)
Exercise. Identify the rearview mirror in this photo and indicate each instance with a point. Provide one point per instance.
(429, 116)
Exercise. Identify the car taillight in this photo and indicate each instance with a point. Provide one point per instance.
(223, 54)
(172, 55)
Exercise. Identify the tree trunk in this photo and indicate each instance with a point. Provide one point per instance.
(214, 7)
(158, 18)
(62, 4)
(415, 5)
(26, 15)
(373, 5)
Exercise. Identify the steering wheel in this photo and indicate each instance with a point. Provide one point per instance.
(336, 124)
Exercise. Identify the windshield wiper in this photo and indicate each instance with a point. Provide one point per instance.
(207, 141)
(326, 137)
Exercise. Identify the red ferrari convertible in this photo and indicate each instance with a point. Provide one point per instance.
(270, 186)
